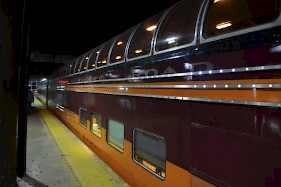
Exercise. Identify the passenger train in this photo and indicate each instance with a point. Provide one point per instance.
(190, 97)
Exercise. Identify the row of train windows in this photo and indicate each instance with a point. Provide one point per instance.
(149, 150)
(177, 30)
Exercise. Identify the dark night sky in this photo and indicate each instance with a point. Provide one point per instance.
(62, 27)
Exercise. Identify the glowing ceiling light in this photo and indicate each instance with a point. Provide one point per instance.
(223, 25)
(98, 52)
(87, 58)
(215, 1)
(118, 57)
(93, 65)
(138, 51)
(104, 62)
(119, 43)
(151, 28)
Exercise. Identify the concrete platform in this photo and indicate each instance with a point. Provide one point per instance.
(50, 164)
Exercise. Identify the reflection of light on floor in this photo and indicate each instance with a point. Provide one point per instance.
(37, 103)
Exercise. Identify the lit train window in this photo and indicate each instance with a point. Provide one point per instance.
(224, 16)
(96, 124)
(83, 117)
(115, 134)
(178, 26)
(93, 56)
(84, 62)
(119, 46)
(150, 152)
(140, 45)
(77, 66)
(103, 55)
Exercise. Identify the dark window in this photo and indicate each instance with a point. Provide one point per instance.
(115, 134)
(66, 69)
(83, 117)
(150, 152)
(227, 16)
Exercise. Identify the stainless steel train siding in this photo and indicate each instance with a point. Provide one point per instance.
(55, 157)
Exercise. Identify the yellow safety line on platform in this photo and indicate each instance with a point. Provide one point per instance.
(68, 170)
(88, 172)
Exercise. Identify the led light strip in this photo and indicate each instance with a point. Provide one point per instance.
(196, 86)
(210, 72)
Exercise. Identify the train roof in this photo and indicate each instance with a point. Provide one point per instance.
(185, 25)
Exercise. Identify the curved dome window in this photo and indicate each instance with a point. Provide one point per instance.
(68, 69)
(85, 61)
(93, 56)
(225, 16)
(103, 55)
(72, 66)
(140, 45)
(77, 66)
(178, 26)
(119, 47)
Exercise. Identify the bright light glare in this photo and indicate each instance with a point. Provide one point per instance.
(223, 25)
(119, 43)
(151, 28)
(118, 57)
(138, 51)
(171, 40)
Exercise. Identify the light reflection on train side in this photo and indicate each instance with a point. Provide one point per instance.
(276, 49)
